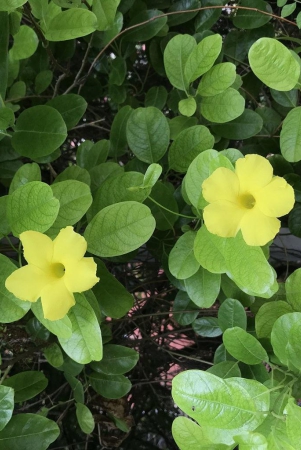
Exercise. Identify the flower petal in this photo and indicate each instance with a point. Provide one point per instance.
(223, 218)
(222, 184)
(276, 199)
(257, 228)
(254, 172)
(56, 300)
(28, 282)
(38, 248)
(80, 275)
(68, 245)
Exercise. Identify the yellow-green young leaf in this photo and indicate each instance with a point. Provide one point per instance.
(208, 250)
(71, 107)
(251, 441)
(202, 57)
(39, 131)
(223, 107)
(187, 106)
(70, 24)
(280, 334)
(85, 344)
(293, 294)
(26, 385)
(28, 431)
(110, 386)
(27, 173)
(119, 229)
(176, 54)
(293, 422)
(25, 43)
(274, 64)
(61, 328)
(231, 313)
(267, 316)
(7, 5)
(6, 405)
(32, 207)
(290, 136)
(217, 79)
(181, 261)
(85, 418)
(116, 360)
(203, 287)
(249, 19)
(152, 175)
(293, 346)
(147, 134)
(243, 346)
(188, 145)
(189, 435)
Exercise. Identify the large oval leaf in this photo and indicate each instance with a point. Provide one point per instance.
(223, 107)
(71, 24)
(26, 385)
(117, 360)
(6, 405)
(176, 54)
(119, 229)
(243, 346)
(71, 107)
(110, 386)
(217, 79)
(290, 136)
(181, 261)
(243, 127)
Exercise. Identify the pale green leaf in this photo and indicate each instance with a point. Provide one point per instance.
(187, 106)
(105, 11)
(223, 107)
(202, 57)
(293, 422)
(231, 313)
(70, 24)
(243, 346)
(290, 136)
(219, 78)
(203, 287)
(7, 5)
(280, 334)
(267, 316)
(181, 261)
(85, 418)
(25, 43)
(61, 328)
(6, 405)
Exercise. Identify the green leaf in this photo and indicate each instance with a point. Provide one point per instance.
(71, 107)
(119, 229)
(287, 10)
(293, 346)
(85, 418)
(243, 346)
(84, 345)
(208, 250)
(43, 81)
(74, 173)
(181, 261)
(231, 313)
(163, 194)
(180, 123)
(147, 133)
(176, 55)
(61, 328)
(182, 5)
(105, 11)
(245, 126)
(156, 96)
(75, 199)
(5, 228)
(6, 405)
(7, 5)
(110, 386)
(280, 334)
(28, 431)
(249, 19)
(290, 136)
(32, 207)
(274, 64)
(26, 385)
(188, 145)
(267, 316)
(77, 387)
(91, 155)
(208, 17)
(114, 300)
(25, 43)
(298, 20)
(202, 57)
(27, 173)
(203, 287)
(7, 118)
(293, 422)
(117, 360)
(54, 354)
(289, 99)
(152, 175)
(118, 131)
(184, 310)
(17, 91)
(70, 24)
(207, 327)
(215, 402)
(149, 29)
(103, 171)
(188, 435)
(251, 441)
(225, 369)
(118, 71)
(39, 131)
(293, 295)
(187, 106)
(223, 107)
(219, 78)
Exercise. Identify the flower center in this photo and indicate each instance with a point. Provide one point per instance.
(247, 201)
(58, 270)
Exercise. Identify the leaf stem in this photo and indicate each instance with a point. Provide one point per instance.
(172, 212)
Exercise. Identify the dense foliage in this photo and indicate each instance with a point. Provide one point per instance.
(113, 114)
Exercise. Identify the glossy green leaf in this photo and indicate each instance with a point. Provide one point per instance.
(184, 310)
(61, 328)
(243, 346)
(105, 11)
(249, 19)
(293, 422)
(149, 29)
(251, 441)
(290, 136)
(245, 126)
(219, 78)
(225, 369)
(27, 173)
(70, 24)
(152, 175)
(165, 215)
(90, 155)
(188, 145)
(231, 313)
(71, 107)
(147, 133)
(25, 43)
(188, 434)
(203, 287)
(26, 385)
(289, 99)
(110, 386)
(187, 106)
(202, 57)
(7, 5)
(39, 131)
(208, 250)
(274, 64)
(280, 334)
(207, 327)
(116, 360)
(118, 131)
(267, 316)
(176, 55)
(156, 96)
(223, 107)
(182, 263)
(119, 229)
(84, 345)
(6, 405)
(28, 431)
(54, 355)
(85, 418)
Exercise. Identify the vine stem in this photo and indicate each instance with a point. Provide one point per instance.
(172, 212)
(187, 11)
(6, 372)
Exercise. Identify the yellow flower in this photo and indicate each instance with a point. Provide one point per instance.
(55, 270)
(248, 199)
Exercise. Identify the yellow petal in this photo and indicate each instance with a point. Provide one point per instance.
(254, 172)
(223, 218)
(38, 248)
(68, 245)
(28, 282)
(80, 275)
(276, 199)
(56, 300)
(257, 228)
(222, 184)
